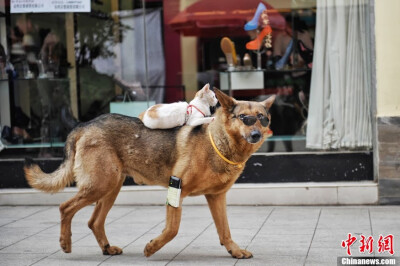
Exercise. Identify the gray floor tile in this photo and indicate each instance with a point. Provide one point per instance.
(21, 259)
(275, 235)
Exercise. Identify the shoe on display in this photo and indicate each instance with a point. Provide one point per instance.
(247, 63)
(228, 47)
(280, 64)
(258, 42)
(253, 23)
(264, 18)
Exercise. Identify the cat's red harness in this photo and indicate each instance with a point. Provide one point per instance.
(191, 106)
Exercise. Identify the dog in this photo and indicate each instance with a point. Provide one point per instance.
(101, 153)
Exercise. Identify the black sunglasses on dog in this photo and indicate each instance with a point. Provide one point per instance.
(250, 120)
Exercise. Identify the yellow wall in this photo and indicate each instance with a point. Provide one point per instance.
(189, 66)
(189, 59)
(387, 35)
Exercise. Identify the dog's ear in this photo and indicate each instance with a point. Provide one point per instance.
(268, 102)
(228, 103)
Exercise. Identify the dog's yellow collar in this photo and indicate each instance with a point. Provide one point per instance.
(238, 165)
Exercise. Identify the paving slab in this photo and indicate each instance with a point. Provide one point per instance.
(276, 235)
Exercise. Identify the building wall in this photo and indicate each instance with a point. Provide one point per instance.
(387, 20)
(189, 59)
(387, 39)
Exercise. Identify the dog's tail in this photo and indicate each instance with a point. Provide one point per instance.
(57, 180)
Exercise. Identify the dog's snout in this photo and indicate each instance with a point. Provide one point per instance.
(255, 136)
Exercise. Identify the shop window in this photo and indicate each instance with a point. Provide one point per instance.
(35, 83)
(58, 69)
(314, 55)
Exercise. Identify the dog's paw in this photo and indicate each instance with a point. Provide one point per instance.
(112, 250)
(241, 254)
(65, 244)
(148, 249)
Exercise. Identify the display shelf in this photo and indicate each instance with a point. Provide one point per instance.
(36, 78)
(242, 80)
(286, 138)
(35, 145)
(61, 144)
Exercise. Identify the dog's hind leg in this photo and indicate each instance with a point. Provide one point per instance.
(96, 222)
(171, 230)
(217, 204)
(68, 210)
(98, 175)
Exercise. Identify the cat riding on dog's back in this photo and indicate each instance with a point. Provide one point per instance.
(172, 115)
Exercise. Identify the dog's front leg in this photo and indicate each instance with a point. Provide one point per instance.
(171, 229)
(217, 204)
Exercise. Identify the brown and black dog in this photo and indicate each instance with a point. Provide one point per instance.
(100, 154)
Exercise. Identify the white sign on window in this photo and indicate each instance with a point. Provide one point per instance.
(47, 6)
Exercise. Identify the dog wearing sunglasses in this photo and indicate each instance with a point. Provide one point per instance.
(208, 159)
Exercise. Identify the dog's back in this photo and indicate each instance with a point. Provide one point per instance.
(125, 141)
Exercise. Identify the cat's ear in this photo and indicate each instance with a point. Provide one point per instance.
(201, 92)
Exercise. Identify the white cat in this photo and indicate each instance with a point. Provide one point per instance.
(171, 115)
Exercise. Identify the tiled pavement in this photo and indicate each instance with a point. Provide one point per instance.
(275, 235)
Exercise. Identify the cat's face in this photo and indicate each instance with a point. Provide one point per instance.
(211, 98)
(208, 95)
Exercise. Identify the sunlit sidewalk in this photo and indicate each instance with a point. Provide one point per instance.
(275, 235)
